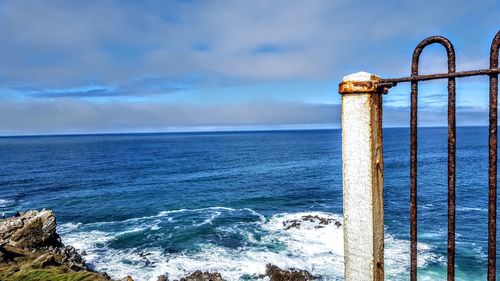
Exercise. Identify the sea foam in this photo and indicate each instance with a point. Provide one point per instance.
(318, 250)
(6, 203)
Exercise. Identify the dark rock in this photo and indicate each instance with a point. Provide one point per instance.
(277, 274)
(8, 253)
(144, 256)
(163, 278)
(2, 257)
(73, 259)
(127, 278)
(322, 222)
(203, 276)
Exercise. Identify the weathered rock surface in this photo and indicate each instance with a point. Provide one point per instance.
(29, 242)
(277, 274)
(31, 230)
(203, 276)
(321, 221)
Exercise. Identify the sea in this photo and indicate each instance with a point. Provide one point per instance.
(172, 203)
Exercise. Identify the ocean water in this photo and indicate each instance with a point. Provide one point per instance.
(149, 204)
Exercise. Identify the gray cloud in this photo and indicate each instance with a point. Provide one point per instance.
(79, 116)
(70, 115)
(68, 43)
(55, 49)
(395, 116)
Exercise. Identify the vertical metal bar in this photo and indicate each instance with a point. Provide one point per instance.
(451, 155)
(492, 169)
(413, 167)
(451, 162)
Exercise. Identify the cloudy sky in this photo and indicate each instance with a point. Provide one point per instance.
(143, 66)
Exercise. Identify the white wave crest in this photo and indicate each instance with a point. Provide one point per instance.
(471, 209)
(318, 250)
(5, 203)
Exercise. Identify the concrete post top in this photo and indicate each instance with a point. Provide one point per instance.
(360, 82)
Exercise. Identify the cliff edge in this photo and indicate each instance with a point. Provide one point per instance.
(31, 249)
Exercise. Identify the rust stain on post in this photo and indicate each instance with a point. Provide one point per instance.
(362, 158)
(351, 86)
(378, 187)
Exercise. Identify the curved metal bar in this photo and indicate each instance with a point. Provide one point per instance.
(451, 154)
(492, 169)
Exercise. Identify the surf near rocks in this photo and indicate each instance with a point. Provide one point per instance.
(320, 222)
(273, 273)
(31, 247)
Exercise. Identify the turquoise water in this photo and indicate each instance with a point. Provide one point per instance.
(148, 204)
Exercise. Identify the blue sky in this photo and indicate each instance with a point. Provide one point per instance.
(144, 66)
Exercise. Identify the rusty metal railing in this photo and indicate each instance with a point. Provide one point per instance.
(493, 73)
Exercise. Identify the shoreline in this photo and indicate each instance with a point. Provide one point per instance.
(31, 249)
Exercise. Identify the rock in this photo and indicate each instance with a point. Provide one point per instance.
(33, 233)
(277, 274)
(322, 222)
(72, 258)
(127, 278)
(30, 230)
(144, 256)
(45, 260)
(29, 240)
(105, 275)
(9, 253)
(163, 278)
(203, 276)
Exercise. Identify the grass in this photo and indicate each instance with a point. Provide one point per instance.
(48, 274)
(22, 270)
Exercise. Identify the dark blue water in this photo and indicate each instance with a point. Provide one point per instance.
(217, 201)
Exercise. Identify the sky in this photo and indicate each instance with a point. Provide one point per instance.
(192, 65)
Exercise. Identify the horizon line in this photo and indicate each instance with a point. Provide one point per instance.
(211, 131)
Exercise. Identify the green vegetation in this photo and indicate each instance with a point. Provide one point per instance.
(48, 274)
(24, 269)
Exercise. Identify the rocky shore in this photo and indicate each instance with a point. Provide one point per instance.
(31, 249)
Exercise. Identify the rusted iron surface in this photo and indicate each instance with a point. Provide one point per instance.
(349, 87)
(493, 73)
(492, 167)
(360, 82)
(451, 154)
(393, 81)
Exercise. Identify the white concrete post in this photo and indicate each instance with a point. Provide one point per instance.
(363, 177)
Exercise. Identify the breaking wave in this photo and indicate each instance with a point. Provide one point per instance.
(238, 243)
